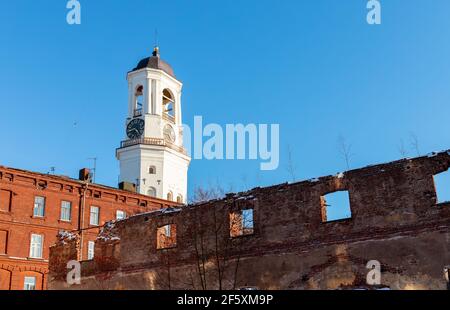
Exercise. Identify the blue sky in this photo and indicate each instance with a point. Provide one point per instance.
(314, 67)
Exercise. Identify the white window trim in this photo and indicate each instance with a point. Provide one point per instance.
(70, 211)
(37, 207)
(91, 250)
(97, 217)
(123, 215)
(27, 286)
(33, 247)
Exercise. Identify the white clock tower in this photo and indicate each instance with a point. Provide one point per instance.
(152, 156)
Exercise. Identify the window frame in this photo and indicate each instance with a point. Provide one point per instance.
(29, 286)
(97, 222)
(39, 207)
(91, 250)
(33, 246)
(123, 213)
(63, 208)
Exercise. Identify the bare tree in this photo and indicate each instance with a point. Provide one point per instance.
(290, 167)
(345, 150)
(402, 149)
(217, 255)
(414, 143)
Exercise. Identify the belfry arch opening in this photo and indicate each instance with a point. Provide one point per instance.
(139, 101)
(168, 101)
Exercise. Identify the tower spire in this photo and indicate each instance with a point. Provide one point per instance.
(156, 47)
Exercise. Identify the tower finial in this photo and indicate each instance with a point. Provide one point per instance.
(156, 48)
(156, 51)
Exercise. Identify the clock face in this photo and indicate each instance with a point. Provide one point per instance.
(135, 128)
(169, 133)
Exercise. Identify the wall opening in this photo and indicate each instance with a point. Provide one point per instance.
(442, 186)
(151, 192)
(3, 242)
(152, 170)
(139, 95)
(168, 103)
(5, 280)
(335, 206)
(5, 200)
(166, 237)
(170, 196)
(241, 223)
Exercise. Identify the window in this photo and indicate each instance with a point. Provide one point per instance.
(39, 206)
(151, 192)
(120, 215)
(66, 211)
(442, 185)
(139, 95)
(3, 241)
(180, 199)
(5, 200)
(91, 249)
(94, 219)
(170, 196)
(152, 170)
(36, 246)
(29, 284)
(168, 103)
(335, 206)
(241, 223)
(166, 237)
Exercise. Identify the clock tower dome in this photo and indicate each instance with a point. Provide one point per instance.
(152, 156)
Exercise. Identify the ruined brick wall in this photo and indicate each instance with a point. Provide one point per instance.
(395, 219)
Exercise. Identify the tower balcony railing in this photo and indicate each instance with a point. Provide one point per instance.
(153, 141)
(137, 113)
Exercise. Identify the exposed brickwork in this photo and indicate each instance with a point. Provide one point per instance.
(17, 191)
(395, 219)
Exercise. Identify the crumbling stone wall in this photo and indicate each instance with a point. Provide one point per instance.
(395, 219)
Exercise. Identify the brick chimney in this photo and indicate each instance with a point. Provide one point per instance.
(85, 175)
(126, 186)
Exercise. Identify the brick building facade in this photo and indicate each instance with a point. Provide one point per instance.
(282, 237)
(34, 207)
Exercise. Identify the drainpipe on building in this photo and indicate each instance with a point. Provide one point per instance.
(81, 216)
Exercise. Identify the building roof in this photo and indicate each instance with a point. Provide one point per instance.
(155, 62)
(62, 178)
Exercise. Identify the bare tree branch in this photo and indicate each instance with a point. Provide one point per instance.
(402, 149)
(290, 167)
(345, 150)
(415, 143)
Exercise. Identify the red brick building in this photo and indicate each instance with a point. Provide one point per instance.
(34, 207)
